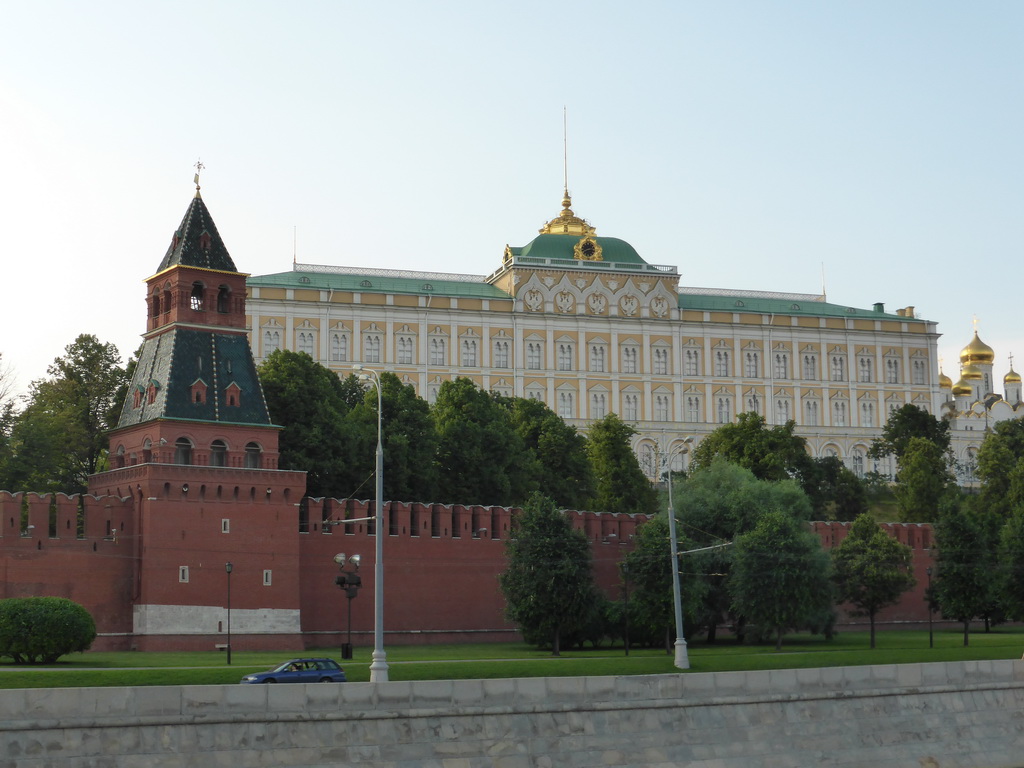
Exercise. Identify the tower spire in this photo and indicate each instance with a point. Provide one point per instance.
(199, 169)
(565, 151)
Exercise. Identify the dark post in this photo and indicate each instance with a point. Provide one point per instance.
(928, 597)
(625, 580)
(350, 581)
(228, 567)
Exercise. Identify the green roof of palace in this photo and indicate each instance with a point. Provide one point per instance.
(431, 284)
(737, 301)
(357, 281)
(561, 247)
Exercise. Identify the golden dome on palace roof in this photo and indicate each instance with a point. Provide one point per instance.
(1012, 377)
(944, 381)
(977, 352)
(567, 222)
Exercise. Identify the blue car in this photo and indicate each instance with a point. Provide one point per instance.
(301, 671)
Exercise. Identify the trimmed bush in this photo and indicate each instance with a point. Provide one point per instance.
(39, 630)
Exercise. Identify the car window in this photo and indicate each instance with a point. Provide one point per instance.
(327, 664)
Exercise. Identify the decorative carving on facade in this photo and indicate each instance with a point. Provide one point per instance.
(659, 306)
(629, 304)
(597, 303)
(549, 281)
(533, 299)
(613, 284)
(565, 302)
(581, 283)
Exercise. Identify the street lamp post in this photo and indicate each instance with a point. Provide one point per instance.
(379, 667)
(350, 581)
(928, 598)
(625, 580)
(228, 568)
(682, 660)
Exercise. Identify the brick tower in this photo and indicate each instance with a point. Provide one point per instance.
(196, 451)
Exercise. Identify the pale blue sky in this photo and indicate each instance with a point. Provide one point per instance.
(751, 144)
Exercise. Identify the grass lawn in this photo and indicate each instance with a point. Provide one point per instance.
(446, 662)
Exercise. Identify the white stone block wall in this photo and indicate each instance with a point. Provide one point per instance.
(936, 715)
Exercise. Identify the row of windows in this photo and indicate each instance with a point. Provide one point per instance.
(722, 408)
(184, 449)
(723, 362)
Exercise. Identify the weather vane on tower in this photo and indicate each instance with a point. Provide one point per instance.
(199, 169)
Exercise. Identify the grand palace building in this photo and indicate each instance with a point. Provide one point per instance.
(584, 323)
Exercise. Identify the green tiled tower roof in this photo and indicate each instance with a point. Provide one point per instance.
(197, 243)
(172, 362)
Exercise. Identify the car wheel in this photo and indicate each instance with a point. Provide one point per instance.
(326, 679)
(270, 680)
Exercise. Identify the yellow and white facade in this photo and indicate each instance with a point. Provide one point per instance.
(585, 324)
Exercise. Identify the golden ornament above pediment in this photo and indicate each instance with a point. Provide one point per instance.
(587, 249)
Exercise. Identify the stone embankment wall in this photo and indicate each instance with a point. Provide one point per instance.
(931, 715)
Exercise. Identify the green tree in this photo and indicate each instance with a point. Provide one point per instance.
(620, 483)
(834, 491)
(305, 398)
(410, 442)
(548, 584)
(771, 453)
(39, 630)
(998, 458)
(59, 439)
(964, 585)
(906, 423)
(780, 575)
(564, 470)
(719, 504)
(649, 570)
(871, 569)
(481, 459)
(923, 480)
(1011, 561)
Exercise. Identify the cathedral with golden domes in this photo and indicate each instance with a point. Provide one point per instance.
(972, 404)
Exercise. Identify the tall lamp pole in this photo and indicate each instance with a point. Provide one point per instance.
(228, 568)
(379, 667)
(928, 598)
(682, 660)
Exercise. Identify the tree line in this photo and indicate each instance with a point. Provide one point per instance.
(469, 446)
(749, 560)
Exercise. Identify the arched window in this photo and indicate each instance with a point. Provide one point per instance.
(253, 456)
(218, 453)
(196, 300)
(223, 299)
(183, 451)
(154, 304)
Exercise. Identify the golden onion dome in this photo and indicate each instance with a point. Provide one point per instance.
(944, 381)
(970, 372)
(1012, 377)
(962, 388)
(977, 352)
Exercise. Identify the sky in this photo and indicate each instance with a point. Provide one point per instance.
(873, 148)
